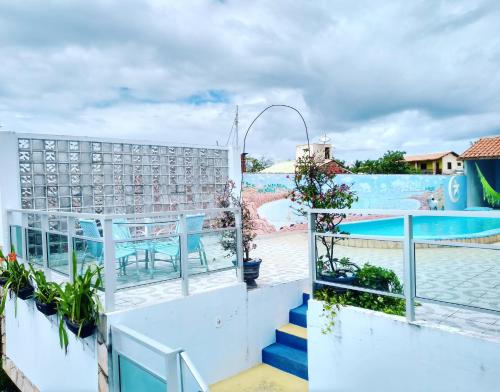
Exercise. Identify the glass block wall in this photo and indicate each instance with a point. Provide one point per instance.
(104, 177)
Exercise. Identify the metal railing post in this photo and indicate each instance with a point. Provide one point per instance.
(409, 268)
(311, 219)
(71, 233)
(184, 255)
(24, 242)
(239, 245)
(173, 376)
(44, 219)
(10, 219)
(109, 264)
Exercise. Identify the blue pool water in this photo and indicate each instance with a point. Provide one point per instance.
(429, 227)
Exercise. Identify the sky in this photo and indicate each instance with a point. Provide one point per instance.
(419, 76)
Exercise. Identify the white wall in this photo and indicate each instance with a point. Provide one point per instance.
(371, 351)
(248, 323)
(10, 193)
(33, 345)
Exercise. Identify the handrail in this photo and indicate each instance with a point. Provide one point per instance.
(409, 243)
(109, 244)
(173, 359)
(363, 211)
(197, 376)
(86, 215)
(151, 344)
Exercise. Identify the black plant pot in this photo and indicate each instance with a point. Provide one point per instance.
(86, 331)
(25, 292)
(347, 280)
(46, 309)
(251, 272)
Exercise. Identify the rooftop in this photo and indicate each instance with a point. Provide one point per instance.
(484, 148)
(428, 157)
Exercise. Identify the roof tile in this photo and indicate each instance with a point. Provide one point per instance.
(484, 148)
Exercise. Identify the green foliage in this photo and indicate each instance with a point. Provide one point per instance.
(316, 188)
(369, 276)
(490, 195)
(18, 277)
(255, 165)
(392, 162)
(79, 300)
(227, 199)
(335, 267)
(45, 292)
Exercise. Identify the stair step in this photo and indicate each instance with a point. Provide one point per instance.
(286, 358)
(292, 335)
(298, 316)
(305, 298)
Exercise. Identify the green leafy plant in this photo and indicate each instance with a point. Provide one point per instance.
(18, 279)
(4, 272)
(315, 187)
(47, 293)
(368, 276)
(79, 301)
(392, 162)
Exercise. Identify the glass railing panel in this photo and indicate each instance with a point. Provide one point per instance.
(211, 251)
(459, 275)
(16, 239)
(141, 261)
(375, 264)
(88, 253)
(57, 252)
(34, 248)
(134, 377)
(189, 383)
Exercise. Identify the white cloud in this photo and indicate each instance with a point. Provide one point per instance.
(420, 76)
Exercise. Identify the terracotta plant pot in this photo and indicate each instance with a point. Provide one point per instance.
(25, 292)
(87, 330)
(251, 272)
(46, 309)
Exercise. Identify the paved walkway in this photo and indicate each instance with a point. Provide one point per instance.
(467, 276)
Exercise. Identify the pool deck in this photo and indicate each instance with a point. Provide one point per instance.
(468, 276)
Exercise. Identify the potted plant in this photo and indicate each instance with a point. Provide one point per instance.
(337, 271)
(18, 281)
(4, 272)
(79, 304)
(315, 187)
(46, 294)
(251, 267)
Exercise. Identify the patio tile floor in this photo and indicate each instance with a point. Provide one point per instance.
(466, 276)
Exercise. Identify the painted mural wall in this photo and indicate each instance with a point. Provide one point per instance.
(266, 195)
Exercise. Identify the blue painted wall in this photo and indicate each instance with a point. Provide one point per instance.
(409, 192)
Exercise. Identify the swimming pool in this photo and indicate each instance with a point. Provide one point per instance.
(427, 227)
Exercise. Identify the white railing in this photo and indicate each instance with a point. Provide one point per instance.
(35, 234)
(151, 364)
(409, 244)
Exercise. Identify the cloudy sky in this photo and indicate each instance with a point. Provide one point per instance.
(420, 76)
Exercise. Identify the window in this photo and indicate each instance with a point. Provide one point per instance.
(327, 152)
(423, 166)
(448, 165)
(459, 163)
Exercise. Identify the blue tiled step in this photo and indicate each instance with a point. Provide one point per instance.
(288, 359)
(289, 339)
(298, 315)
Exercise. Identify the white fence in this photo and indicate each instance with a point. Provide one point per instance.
(444, 253)
(158, 245)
